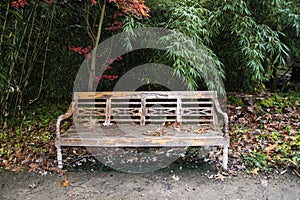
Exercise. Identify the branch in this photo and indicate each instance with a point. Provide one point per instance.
(93, 64)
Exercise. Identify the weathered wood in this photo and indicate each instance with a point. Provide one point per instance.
(143, 111)
(149, 94)
(154, 141)
(129, 115)
(117, 137)
(108, 110)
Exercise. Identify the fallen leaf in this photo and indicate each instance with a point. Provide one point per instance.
(33, 167)
(176, 124)
(219, 177)
(65, 182)
(17, 169)
(296, 172)
(270, 148)
(201, 130)
(166, 124)
(158, 132)
(255, 171)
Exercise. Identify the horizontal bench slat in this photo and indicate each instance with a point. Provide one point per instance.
(82, 103)
(150, 94)
(144, 142)
(115, 137)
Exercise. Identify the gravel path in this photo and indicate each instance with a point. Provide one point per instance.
(164, 184)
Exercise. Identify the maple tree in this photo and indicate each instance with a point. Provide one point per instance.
(21, 3)
(21, 34)
(137, 8)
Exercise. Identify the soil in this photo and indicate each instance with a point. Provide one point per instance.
(168, 183)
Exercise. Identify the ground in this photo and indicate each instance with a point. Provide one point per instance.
(168, 183)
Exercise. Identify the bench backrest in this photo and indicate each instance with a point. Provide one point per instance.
(146, 107)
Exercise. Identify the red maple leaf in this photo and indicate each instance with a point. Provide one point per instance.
(94, 2)
(15, 4)
(22, 3)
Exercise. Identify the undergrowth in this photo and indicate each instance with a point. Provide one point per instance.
(264, 134)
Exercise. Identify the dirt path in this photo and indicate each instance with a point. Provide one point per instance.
(164, 184)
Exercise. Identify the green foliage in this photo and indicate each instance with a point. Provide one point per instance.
(278, 101)
(37, 64)
(267, 134)
(31, 140)
(200, 29)
(235, 100)
(184, 54)
(256, 159)
(245, 40)
(251, 38)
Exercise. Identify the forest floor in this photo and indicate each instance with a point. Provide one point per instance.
(163, 184)
(264, 160)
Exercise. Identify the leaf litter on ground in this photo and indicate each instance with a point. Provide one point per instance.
(264, 134)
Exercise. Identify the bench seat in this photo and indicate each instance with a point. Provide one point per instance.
(113, 136)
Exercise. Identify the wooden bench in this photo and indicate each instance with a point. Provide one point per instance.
(144, 119)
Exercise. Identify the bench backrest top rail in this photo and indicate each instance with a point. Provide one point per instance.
(148, 94)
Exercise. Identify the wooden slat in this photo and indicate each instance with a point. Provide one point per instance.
(91, 108)
(143, 111)
(197, 102)
(160, 103)
(150, 94)
(197, 120)
(144, 142)
(116, 137)
(125, 120)
(108, 110)
(85, 109)
(195, 115)
(125, 103)
(89, 104)
(159, 120)
(161, 115)
(91, 115)
(160, 111)
(179, 110)
(199, 116)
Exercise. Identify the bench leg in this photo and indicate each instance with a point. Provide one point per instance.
(59, 157)
(225, 156)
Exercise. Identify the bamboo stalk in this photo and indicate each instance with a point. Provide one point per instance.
(2, 100)
(45, 57)
(23, 75)
(4, 26)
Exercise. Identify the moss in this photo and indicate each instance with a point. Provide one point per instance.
(235, 101)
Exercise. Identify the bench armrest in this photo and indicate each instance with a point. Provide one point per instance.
(225, 116)
(63, 117)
